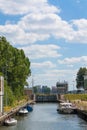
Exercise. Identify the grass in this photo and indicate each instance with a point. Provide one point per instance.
(16, 104)
(80, 100)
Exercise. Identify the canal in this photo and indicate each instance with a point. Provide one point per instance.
(45, 117)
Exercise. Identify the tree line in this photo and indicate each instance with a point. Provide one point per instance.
(15, 68)
(80, 77)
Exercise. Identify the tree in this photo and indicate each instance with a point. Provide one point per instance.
(14, 66)
(8, 95)
(80, 77)
(35, 89)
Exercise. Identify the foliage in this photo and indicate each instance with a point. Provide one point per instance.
(80, 77)
(35, 89)
(47, 90)
(15, 67)
(8, 95)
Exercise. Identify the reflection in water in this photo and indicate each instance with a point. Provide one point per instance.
(45, 117)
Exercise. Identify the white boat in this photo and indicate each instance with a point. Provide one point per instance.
(10, 121)
(23, 111)
(67, 108)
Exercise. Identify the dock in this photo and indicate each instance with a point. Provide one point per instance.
(80, 111)
(82, 114)
(13, 111)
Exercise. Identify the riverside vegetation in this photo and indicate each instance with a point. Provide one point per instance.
(15, 68)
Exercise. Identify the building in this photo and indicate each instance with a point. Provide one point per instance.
(28, 92)
(54, 90)
(62, 87)
(39, 89)
(1, 94)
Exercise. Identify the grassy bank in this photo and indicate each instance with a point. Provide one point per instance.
(70, 97)
(80, 100)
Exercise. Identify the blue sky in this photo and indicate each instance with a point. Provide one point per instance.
(53, 35)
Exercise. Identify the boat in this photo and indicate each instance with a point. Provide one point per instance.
(23, 111)
(10, 121)
(67, 108)
(29, 107)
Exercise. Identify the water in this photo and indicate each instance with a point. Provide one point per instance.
(45, 117)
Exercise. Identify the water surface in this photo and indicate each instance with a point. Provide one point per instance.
(45, 117)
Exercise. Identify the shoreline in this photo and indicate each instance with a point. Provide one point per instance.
(14, 110)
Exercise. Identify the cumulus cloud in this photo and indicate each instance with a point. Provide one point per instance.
(80, 31)
(40, 21)
(39, 27)
(73, 60)
(46, 64)
(42, 51)
(20, 7)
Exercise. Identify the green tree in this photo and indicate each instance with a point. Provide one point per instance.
(8, 95)
(80, 77)
(35, 89)
(14, 66)
(47, 90)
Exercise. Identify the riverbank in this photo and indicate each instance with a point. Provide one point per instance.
(14, 110)
(81, 107)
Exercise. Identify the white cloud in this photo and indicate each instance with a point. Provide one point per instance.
(26, 6)
(74, 60)
(42, 51)
(40, 25)
(48, 23)
(80, 31)
(46, 64)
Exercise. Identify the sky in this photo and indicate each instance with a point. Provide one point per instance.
(53, 35)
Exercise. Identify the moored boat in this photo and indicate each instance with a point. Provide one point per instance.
(10, 121)
(29, 107)
(23, 111)
(67, 108)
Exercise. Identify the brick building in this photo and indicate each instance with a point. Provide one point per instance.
(28, 92)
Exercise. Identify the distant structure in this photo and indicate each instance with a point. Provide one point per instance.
(54, 90)
(85, 81)
(28, 92)
(39, 89)
(45, 89)
(62, 87)
(1, 94)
